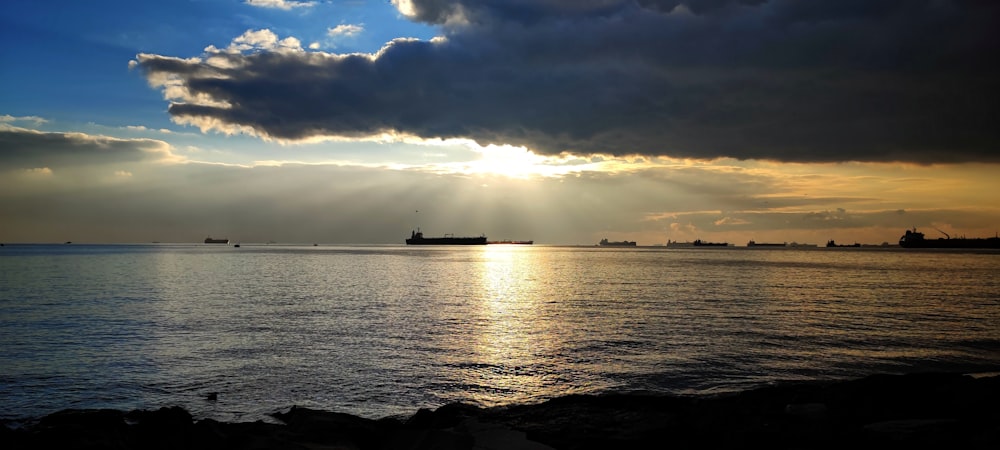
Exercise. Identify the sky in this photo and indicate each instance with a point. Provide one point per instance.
(560, 121)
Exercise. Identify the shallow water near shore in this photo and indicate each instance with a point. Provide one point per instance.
(381, 331)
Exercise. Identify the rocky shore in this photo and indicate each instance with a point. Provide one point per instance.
(936, 410)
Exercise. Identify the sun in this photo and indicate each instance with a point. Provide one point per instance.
(518, 163)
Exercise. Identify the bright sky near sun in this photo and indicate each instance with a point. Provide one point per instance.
(560, 121)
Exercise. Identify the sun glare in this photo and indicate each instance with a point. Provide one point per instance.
(509, 161)
(467, 157)
(519, 163)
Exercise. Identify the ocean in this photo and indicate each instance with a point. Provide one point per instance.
(379, 331)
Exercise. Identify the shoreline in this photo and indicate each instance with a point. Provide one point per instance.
(921, 410)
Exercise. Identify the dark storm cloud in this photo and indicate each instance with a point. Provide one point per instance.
(845, 80)
(29, 149)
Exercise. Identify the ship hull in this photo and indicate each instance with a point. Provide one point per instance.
(952, 243)
(915, 239)
(447, 241)
(417, 238)
(607, 243)
(765, 244)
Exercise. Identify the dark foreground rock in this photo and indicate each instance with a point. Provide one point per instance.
(906, 412)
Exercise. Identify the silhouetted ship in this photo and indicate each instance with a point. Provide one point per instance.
(417, 238)
(753, 243)
(511, 242)
(701, 243)
(606, 243)
(831, 243)
(915, 239)
(209, 240)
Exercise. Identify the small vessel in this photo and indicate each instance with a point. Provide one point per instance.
(417, 238)
(916, 239)
(800, 245)
(676, 244)
(210, 240)
(606, 243)
(831, 243)
(505, 241)
(753, 243)
(701, 243)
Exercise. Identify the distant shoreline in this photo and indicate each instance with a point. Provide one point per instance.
(946, 410)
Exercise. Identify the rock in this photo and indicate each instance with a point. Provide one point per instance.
(882, 411)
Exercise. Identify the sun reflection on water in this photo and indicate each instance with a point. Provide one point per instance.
(507, 346)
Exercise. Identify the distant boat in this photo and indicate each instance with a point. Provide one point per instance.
(511, 242)
(701, 243)
(753, 243)
(916, 239)
(417, 238)
(606, 243)
(798, 245)
(209, 240)
(675, 244)
(831, 243)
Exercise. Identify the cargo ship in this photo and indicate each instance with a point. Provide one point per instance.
(209, 240)
(417, 238)
(606, 243)
(916, 239)
(701, 243)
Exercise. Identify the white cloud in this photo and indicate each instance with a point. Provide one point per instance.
(7, 118)
(285, 5)
(263, 39)
(345, 30)
(405, 7)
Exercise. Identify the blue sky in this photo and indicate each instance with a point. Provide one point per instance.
(554, 120)
(71, 58)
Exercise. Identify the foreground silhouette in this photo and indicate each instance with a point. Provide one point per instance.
(881, 411)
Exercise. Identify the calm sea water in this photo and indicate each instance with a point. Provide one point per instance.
(384, 330)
